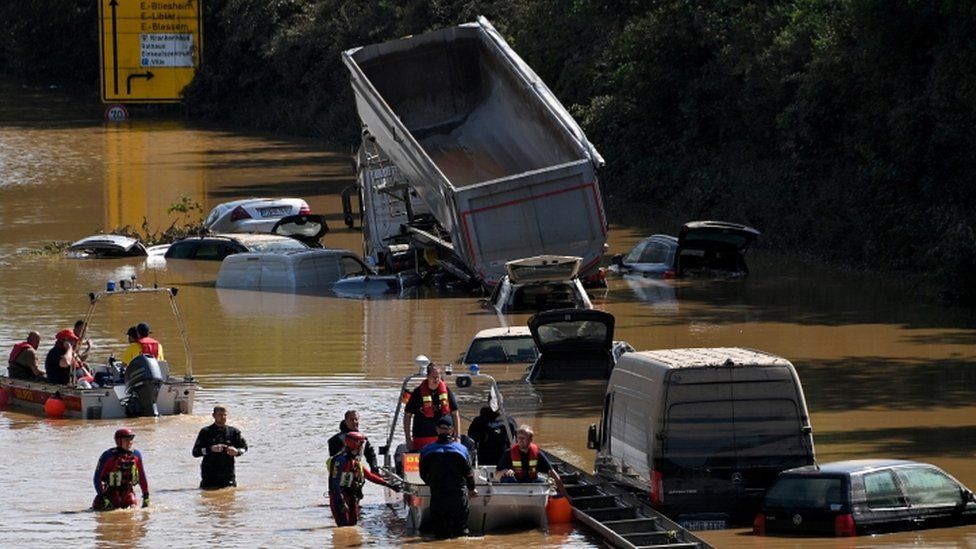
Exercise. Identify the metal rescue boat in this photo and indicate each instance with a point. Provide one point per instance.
(142, 388)
(498, 506)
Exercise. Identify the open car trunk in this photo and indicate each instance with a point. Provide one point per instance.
(573, 344)
(714, 248)
(107, 245)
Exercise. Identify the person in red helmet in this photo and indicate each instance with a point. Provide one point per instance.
(346, 479)
(119, 469)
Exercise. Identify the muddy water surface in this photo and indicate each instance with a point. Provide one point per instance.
(884, 375)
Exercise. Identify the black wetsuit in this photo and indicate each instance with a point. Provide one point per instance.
(444, 467)
(337, 443)
(217, 470)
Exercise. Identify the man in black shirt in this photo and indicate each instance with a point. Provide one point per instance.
(350, 423)
(218, 444)
(490, 432)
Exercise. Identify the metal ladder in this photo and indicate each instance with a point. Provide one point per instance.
(618, 515)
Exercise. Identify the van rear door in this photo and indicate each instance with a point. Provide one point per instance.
(727, 432)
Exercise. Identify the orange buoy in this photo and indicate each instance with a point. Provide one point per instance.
(559, 510)
(54, 407)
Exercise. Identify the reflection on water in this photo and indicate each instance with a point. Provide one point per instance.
(883, 375)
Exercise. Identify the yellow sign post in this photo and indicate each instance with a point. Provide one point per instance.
(150, 48)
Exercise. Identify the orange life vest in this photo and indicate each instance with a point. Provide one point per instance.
(18, 348)
(427, 408)
(525, 472)
(149, 346)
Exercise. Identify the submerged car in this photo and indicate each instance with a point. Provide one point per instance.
(574, 344)
(298, 232)
(106, 245)
(540, 283)
(702, 248)
(501, 346)
(304, 271)
(253, 215)
(849, 498)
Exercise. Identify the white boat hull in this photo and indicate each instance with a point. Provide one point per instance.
(175, 397)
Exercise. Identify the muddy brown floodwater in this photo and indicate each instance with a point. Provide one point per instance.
(884, 375)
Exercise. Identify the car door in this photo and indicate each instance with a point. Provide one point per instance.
(885, 507)
(934, 498)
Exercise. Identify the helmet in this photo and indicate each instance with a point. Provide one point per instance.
(354, 440)
(124, 433)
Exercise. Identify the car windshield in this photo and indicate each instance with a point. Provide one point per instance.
(498, 350)
(806, 493)
(277, 245)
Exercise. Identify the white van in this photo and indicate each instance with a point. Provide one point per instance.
(703, 432)
(301, 271)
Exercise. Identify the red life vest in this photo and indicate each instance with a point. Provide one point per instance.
(427, 408)
(15, 352)
(149, 346)
(525, 472)
(350, 473)
(125, 473)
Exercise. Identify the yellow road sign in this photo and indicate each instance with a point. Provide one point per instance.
(150, 48)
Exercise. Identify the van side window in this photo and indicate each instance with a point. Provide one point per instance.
(880, 491)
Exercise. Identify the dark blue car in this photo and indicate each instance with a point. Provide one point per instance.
(849, 498)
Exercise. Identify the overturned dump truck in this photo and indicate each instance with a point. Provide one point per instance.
(467, 153)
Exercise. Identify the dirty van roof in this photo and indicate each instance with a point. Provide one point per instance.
(705, 357)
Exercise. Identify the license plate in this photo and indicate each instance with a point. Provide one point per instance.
(274, 212)
(704, 525)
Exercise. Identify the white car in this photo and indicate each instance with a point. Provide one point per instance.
(540, 283)
(253, 215)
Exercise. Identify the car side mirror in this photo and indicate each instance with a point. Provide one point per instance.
(592, 442)
(384, 450)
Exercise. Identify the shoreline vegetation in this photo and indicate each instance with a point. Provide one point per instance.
(844, 131)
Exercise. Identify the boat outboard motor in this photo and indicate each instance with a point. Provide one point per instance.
(143, 377)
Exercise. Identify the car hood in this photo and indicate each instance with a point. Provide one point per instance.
(543, 268)
(572, 330)
(716, 234)
(307, 228)
(107, 245)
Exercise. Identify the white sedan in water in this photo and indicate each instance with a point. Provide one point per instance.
(253, 215)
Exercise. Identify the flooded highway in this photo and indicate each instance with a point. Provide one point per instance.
(885, 375)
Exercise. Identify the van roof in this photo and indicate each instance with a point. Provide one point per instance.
(702, 357)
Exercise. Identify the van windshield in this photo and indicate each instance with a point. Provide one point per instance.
(725, 433)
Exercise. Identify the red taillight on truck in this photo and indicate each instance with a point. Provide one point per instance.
(304, 210)
(668, 275)
(844, 525)
(657, 488)
(239, 213)
(759, 525)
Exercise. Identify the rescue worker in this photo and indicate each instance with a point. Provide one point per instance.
(490, 433)
(524, 461)
(79, 330)
(60, 358)
(22, 363)
(446, 468)
(346, 479)
(429, 402)
(119, 469)
(145, 345)
(349, 423)
(218, 444)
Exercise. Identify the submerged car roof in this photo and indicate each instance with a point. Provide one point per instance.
(849, 466)
(108, 245)
(511, 331)
(696, 233)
